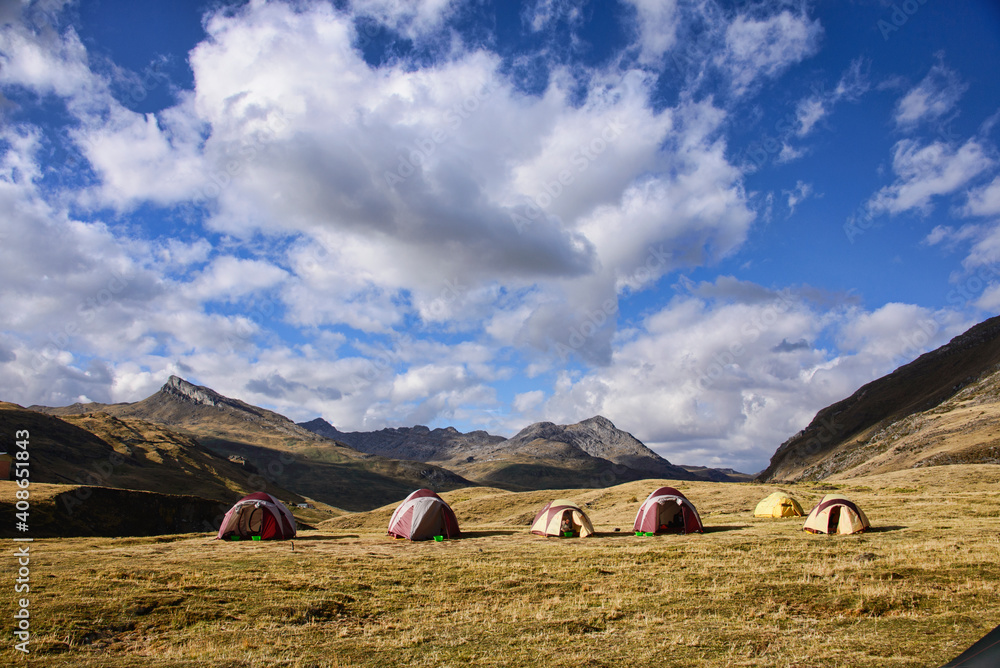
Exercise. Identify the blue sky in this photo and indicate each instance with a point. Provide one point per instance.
(702, 220)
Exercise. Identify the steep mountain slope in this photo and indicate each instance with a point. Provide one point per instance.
(203, 411)
(940, 408)
(98, 449)
(284, 454)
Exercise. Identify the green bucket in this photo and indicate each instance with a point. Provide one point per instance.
(650, 533)
(640, 533)
(256, 537)
(567, 534)
(438, 539)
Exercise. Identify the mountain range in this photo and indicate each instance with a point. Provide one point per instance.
(187, 451)
(190, 439)
(275, 453)
(591, 453)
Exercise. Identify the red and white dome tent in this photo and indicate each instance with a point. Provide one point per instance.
(423, 515)
(666, 510)
(258, 514)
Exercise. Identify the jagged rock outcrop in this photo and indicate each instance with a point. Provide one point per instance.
(417, 443)
(594, 437)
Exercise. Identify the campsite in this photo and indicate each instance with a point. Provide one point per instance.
(915, 590)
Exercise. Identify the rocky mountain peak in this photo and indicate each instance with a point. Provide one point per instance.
(200, 395)
(599, 421)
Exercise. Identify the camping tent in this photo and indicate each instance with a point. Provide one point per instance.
(258, 514)
(836, 514)
(985, 653)
(778, 504)
(667, 511)
(423, 515)
(559, 517)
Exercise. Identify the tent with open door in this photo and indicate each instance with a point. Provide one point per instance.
(666, 510)
(836, 514)
(562, 517)
(258, 514)
(778, 504)
(422, 516)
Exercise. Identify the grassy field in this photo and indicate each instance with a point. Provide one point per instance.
(915, 591)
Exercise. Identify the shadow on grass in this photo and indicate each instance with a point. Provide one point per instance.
(726, 527)
(614, 534)
(884, 529)
(486, 534)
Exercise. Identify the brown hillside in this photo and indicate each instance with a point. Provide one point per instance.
(283, 454)
(97, 449)
(843, 436)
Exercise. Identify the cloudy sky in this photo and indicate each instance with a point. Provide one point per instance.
(703, 220)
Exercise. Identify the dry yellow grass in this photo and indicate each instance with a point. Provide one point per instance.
(915, 591)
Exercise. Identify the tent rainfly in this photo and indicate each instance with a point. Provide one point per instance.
(778, 504)
(258, 514)
(836, 514)
(985, 653)
(562, 518)
(422, 516)
(666, 510)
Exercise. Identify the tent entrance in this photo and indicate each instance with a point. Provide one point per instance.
(670, 518)
(251, 521)
(834, 520)
(567, 525)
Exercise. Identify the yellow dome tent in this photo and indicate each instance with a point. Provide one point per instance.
(778, 504)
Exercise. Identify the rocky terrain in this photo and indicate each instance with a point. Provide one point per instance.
(283, 454)
(98, 449)
(417, 443)
(942, 408)
(594, 437)
(543, 455)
